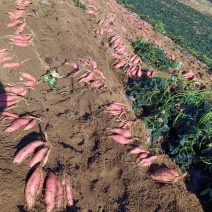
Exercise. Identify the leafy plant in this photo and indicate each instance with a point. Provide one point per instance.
(51, 79)
(193, 34)
(176, 113)
(79, 4)
(207, 191)
(153, 55)
(160, 27)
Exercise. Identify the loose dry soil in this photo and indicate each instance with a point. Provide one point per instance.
(104, 176)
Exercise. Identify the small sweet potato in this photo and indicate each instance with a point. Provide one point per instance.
(165, 175)
(123, 132)
(121, 140)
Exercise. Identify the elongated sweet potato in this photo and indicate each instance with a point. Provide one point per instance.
(138, 150)
(69, 195)
(121, 140)
(32, 187)
(17, 124)
(50, 193)
(26, 151)
(37, 158)
(146, 162)
(123, 132)
(30, 125)
(41, 183)
(165, 175)
(60, 194)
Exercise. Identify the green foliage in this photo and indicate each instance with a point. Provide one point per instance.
(180, 108)
(51, 79)
(186, 26)
(159, 26)
(79, 4)
(153, 55)
(207, 191)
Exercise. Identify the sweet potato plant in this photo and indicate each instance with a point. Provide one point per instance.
(178, 117)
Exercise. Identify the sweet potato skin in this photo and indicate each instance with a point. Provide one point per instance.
(26, 151)
(38, 157)
(69, 195)
(16, 124)
(121, 140)
(32, 187)
(165, 175)
(123, 132)
(50, 193)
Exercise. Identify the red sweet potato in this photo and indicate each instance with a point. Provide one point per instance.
(123, 132)
(26, 151)
(69, 195)
(50, 193)
(121, 140)
(165, 175)
(32, 187)
(37, 158)
(17, 124)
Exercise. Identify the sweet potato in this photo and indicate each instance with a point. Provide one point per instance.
(123, 132)
(19, 90)
(45, 160)
(8, 97)
(69, 195)
(30, 83)
(20, 28)
(11, 65)
(138, 150)
(37, 158)
(28, 76)
(146, 162)
(32, 187)
(3, 50)
(17, 124)
(30, 125)
(189, 74)
(12, 115)
(41, 183)
(14, 23)
(120, 64)
(165, 175)
(121, 140)
(96, 84)
(74, 65)
(116, 106)
(88, 78)
(100, 73)
(5, 59)
(26, 151)
(8, 104)
(93, 64)
(59, 195)
(50, 193)
(143, 155)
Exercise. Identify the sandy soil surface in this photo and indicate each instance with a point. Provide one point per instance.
(104, 176)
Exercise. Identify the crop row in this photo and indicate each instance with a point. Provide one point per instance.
(188, 27)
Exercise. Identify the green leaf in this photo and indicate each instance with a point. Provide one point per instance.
(206, 191)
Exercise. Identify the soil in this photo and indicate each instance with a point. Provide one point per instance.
(104, 176)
